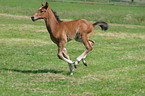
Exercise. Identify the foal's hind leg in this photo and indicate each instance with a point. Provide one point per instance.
(91, 42)
(70, 65)
(88, 49)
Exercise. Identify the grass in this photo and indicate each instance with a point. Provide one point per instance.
(29, 64)
(94, 12)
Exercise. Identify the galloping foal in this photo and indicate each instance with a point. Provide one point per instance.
(62, 32)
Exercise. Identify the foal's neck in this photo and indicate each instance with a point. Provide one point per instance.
(51, 21)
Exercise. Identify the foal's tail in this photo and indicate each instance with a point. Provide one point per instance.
(103, 25)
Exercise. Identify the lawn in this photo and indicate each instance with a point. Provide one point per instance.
(29, 65)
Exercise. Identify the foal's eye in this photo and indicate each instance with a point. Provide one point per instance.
(41, 11)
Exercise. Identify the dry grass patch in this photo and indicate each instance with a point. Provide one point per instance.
(128, 26)
(125, 69)
(2, 14)
(120, 35)
(38, 90)
(33, 41)
(91, 77)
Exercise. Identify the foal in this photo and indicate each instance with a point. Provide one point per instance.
(62, 32)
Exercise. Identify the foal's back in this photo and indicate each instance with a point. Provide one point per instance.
(75, 27)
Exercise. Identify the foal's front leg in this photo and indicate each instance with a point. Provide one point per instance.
(62, 54)
(70, 65)
(61, 46)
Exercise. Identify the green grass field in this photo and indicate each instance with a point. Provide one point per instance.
(29, 65)
(94, 12)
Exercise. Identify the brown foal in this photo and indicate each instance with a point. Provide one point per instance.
(62, 32)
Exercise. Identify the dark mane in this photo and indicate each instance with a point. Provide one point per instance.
(56, 16)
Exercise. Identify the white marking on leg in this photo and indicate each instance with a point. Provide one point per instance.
(80, 58)
(82, 55)
(85, 56)
(71, 69)
(69, 61)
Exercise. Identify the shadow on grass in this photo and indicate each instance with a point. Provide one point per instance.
(33, 71)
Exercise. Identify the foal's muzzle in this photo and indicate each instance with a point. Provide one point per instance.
(33, 19)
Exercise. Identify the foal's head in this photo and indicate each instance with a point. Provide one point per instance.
(41, 13)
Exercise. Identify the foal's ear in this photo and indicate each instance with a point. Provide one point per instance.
(47, 5)
(43, 4)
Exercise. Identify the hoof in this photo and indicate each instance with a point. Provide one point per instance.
(76, 66)
(84, 62)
